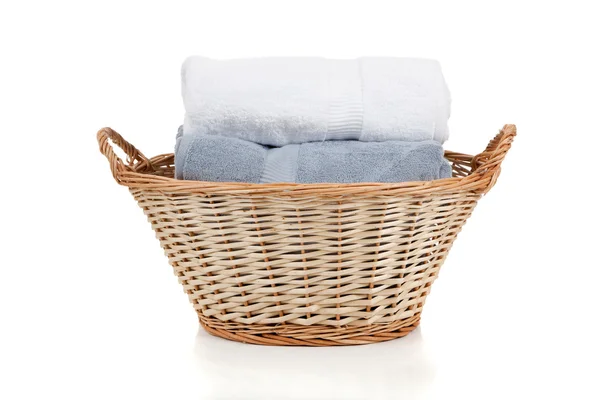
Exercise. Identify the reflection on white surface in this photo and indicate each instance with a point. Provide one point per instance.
(389, 370)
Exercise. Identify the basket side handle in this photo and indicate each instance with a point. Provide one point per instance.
(117, 166)
(488, 162)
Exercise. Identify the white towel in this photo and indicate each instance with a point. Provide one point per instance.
(280, 101)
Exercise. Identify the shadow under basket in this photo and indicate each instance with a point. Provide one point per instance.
(306, 264)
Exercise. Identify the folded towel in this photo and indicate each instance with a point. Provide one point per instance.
(218, 159)
(280, 101)
(223, 159)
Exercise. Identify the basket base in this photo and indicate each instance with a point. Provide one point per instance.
(299, 335)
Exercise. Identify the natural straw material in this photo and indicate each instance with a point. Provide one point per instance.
(306, 264)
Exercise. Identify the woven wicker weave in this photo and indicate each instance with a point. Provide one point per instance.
(306, 264)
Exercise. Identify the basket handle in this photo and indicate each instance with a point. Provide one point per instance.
(488, 161)
(117, 166)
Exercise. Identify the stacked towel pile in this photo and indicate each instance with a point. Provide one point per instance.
(313, 120)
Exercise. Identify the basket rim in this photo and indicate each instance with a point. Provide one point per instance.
(140, 172)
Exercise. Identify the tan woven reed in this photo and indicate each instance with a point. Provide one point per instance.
(306, 264)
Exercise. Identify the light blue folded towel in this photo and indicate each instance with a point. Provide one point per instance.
(218, 159)
(224, 159)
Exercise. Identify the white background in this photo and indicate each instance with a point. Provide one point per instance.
(89, 307)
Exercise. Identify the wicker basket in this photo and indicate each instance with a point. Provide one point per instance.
(306, 264)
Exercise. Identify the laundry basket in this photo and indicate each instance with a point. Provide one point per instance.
(306, 264)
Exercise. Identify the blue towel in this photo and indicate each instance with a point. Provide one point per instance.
(224, 159)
